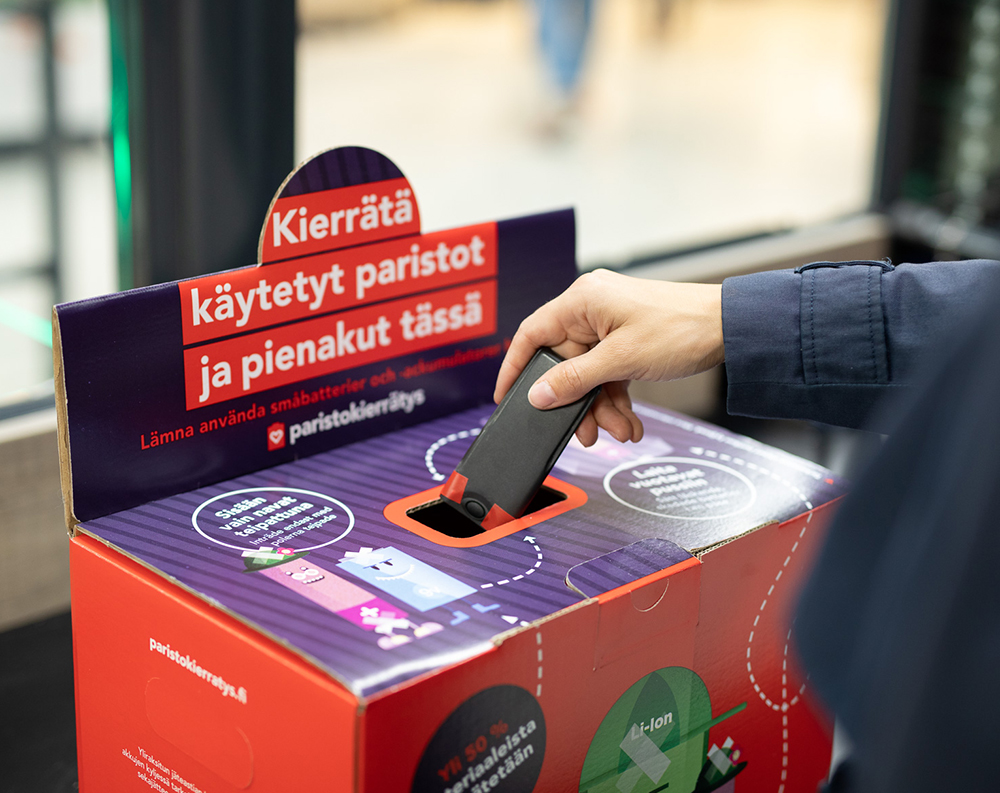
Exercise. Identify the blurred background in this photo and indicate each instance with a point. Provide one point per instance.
(666, 123)
(141, 141)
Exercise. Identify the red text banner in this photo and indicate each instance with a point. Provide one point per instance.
(243, 300)
(332, 219)
(312, 348)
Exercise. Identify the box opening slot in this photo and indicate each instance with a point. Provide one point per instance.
(440, 517)
(423, 514)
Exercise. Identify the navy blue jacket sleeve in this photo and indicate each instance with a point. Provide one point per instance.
(829, 340)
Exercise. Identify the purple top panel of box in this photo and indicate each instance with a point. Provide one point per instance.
(304, 552)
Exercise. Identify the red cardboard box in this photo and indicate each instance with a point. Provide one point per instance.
(257, 606)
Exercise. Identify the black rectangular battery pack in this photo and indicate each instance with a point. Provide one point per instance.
(510, 458)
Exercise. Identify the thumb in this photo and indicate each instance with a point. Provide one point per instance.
(573, 378)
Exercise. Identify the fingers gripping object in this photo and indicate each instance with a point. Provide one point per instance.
(507, 463)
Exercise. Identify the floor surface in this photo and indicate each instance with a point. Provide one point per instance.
(37, 715)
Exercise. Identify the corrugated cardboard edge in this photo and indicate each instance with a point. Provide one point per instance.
(500, 638)
(832, 503)
(489, 645)
(62, 427)
(700, 552)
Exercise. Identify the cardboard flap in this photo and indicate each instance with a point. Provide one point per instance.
(663, 602)
(624, 566)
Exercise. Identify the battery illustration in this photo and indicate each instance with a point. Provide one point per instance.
(338, 595)
(404, 577)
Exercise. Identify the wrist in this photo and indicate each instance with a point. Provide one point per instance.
(715, 352)
(702, 333)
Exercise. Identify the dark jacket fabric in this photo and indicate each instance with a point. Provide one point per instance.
(829, 341)
(899, 625)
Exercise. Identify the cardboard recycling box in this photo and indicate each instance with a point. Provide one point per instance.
(263, 600)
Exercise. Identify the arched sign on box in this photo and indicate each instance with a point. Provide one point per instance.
(345, 279)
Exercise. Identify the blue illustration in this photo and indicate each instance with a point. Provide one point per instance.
(414, 582)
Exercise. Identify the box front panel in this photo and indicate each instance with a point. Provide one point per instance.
(175, 696)
(543, 710)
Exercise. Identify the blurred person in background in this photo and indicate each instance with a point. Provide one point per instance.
(564, 29)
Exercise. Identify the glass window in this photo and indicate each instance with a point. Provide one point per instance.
(666, 123)
(686, 121)
(56, 188)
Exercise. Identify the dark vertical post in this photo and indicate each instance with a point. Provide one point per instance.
(210, 108)
(904, 36)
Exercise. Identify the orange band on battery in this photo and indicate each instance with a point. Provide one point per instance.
(496, 517)
(454, 488)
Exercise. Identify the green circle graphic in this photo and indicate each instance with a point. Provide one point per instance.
(655, 738)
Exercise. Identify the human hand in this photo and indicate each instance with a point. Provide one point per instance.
(612, 329)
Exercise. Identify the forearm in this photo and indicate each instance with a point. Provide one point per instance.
(829, 343)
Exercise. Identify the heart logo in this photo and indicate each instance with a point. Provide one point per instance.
(275, 436)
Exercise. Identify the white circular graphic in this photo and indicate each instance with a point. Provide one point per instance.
(273, 517)
(684, 488)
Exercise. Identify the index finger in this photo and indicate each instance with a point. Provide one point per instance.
(563, 324)
(546, 327)
(537, 330)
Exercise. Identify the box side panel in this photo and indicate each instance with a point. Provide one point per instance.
(536, 713)
(173, 695)
(744, 653)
